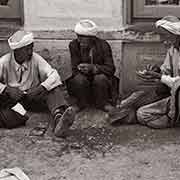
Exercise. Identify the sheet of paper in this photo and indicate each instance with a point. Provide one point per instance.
(19, 109)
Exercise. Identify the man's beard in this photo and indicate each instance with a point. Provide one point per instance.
(84, 51)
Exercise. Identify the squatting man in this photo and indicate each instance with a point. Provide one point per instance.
(91, 83)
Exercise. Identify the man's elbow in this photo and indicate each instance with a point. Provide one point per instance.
(113, 70)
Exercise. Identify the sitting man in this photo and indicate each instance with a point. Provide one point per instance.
(160, 107)
(27, 79)
(92, 68)
(165, 112)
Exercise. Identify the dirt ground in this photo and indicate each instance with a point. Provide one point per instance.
(93, 151)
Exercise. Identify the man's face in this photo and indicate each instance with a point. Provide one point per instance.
(84, 41)
(23, 54)
(167, 37)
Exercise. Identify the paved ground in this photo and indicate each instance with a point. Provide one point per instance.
(93, 151)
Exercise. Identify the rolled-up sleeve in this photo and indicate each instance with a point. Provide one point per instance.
(2, 85)
(49, 75)
(168, 80)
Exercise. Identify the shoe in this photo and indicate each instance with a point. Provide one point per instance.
(65, 122)
(123, 116)
(118, 115)
(113, 112)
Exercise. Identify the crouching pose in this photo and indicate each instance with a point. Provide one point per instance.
(27, 79)
(165, 112)
(92, 69)
(160, 108)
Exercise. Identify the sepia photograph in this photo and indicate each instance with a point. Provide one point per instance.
(89, 89)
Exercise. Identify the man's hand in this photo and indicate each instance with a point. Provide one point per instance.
(87, 68)
(36, 93)
(14, 93)
(154, 68)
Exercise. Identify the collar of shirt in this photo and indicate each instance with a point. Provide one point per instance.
(19, 67)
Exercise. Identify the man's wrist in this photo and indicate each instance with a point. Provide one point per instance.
(42, 87)
(6, 90)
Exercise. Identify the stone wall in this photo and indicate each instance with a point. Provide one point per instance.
(136, 56)
(62, 15)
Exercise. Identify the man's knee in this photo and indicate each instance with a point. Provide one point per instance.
(100, 80)
(141, 115)
(10, 119)
(56, 91)
(78, 80)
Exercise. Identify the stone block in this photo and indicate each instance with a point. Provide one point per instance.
(135, 57)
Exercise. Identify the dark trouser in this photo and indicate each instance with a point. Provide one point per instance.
(89, 90)
(177, 107)
(51, 101)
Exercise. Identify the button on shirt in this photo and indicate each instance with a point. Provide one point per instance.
(30, 74)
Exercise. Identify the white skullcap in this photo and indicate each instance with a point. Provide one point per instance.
(86, 27)
(170, 23)
(20, 39)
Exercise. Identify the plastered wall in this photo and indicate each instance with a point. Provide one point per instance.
(63, 14)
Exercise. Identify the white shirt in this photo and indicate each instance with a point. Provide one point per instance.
(171, 67)
(30, 74)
